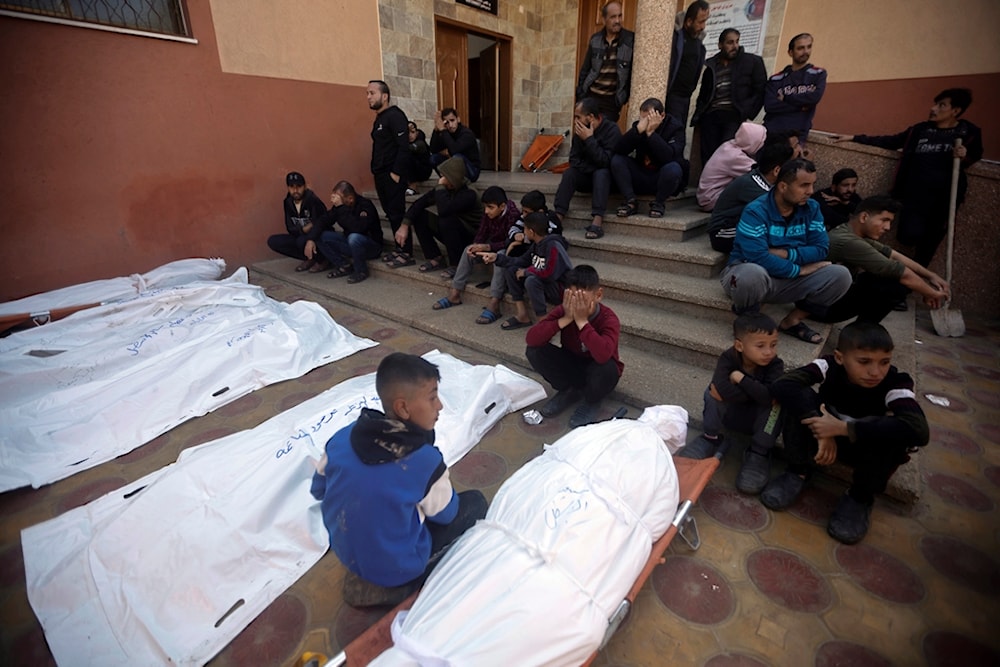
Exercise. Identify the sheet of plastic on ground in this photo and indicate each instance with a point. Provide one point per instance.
(143, 575)
(111, 289)
(564, 540)
(81, 391)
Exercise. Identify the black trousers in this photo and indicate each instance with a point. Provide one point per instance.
(564, 370)
(716, 128)
(873, 462)
(452, 231)
(870, 298)
(392, 196)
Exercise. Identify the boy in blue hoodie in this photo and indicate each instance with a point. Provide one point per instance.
(387, 500)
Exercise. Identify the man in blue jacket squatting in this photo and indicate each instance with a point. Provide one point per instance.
(388, 502)
(779, 254)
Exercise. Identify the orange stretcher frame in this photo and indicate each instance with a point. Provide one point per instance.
(693, 476)
(542, 147)
(41, 317)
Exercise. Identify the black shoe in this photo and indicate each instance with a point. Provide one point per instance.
(558, 403)
(754, 473)
(357, 277)
(849, 522)
(584, 414)
(782, 491)
(699, 448)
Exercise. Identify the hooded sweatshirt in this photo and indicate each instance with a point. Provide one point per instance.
(461, 202)
(733, 158)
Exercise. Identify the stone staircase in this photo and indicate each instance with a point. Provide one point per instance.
(659, 275)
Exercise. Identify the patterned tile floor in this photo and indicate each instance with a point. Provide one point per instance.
(764, 589)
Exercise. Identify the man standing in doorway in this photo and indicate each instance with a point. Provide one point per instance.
(390, 143)
(606, 74)
(791, 95)
(687, 57)
(732, 91)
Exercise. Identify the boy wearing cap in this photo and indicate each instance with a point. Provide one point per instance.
(302, 209)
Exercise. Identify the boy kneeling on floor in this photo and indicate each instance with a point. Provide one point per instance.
(388, 503)
(865, 414)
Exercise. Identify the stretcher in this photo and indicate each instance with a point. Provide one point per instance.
(693, 477)
(40, 317)
(541, 149)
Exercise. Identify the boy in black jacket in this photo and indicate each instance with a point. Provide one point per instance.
(739, 398)
(538, 273)
(348, 252)
(865, 414)
(302, 210)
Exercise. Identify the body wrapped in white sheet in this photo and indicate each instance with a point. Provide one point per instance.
(106, 380)
(112, 289)
(564, 540)
(146, 575)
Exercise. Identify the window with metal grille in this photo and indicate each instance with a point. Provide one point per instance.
(157, 16)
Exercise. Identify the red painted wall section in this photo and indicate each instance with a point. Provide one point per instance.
(888, 107)
(120, 153)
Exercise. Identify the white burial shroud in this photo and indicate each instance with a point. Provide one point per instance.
(564, 540)
(98, 384)
(112, 289)
(150, 573)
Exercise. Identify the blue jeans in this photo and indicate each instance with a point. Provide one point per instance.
(337, 248)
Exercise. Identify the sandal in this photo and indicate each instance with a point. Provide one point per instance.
(390, 256)
(445, 302)
(656, 210)
(514, 323)
(401, 259)
(803, 333)
(345, 270)
(448, 273)
(432, 264)
(487, 317)
(631, 207)
(594, 232)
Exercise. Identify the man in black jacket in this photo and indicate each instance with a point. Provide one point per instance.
(732, 91)
(348, 251)
(303, 210)
(658, 166)
(594, 141)
(452, 139)
(390, 143)
(606, 74)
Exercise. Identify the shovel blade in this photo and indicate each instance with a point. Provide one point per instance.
(948, 322)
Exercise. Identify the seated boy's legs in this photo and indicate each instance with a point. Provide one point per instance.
(541, 291)
(463, 271)
(563, 371)
(472, 506)
(422, 230)
(456, 236)
(362, 249)
(763, 424)
(706, 444)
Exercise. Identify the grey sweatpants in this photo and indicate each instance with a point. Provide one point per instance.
(749, 285)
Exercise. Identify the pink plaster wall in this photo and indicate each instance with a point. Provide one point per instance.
(119, 153)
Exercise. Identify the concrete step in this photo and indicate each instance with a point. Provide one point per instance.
(693, 257)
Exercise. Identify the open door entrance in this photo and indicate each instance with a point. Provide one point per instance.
(474, 75)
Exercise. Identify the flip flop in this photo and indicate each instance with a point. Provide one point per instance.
(487, 317)
(803, 333)
(444, 302)
(594, 232)
(514, 323)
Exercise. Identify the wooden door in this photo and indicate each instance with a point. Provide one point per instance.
(590, 22)
(489, 68)
(452, 52)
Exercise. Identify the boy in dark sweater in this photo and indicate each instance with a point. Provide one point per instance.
(586, 362)
(738, 398)
(537, 274)
(388, 503)
(865, 414)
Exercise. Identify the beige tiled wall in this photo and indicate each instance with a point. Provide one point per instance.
(543, 36)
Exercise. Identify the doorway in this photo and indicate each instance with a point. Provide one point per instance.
(474, 75)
